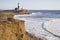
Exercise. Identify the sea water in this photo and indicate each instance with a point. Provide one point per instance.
(35, 23)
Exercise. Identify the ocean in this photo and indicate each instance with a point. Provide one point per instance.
(46, 13)
(42, 23)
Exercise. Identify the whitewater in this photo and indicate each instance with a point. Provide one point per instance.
(46, 26)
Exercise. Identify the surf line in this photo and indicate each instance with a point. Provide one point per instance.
(48, 30)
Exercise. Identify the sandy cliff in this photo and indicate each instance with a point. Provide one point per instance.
(12, 30)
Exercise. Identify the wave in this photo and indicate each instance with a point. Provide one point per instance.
(40, 15)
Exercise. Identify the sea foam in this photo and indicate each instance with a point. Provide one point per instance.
(34, 25)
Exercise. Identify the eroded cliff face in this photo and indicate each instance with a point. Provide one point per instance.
(12, 30)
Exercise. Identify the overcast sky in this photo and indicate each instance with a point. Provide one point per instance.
(31, 4)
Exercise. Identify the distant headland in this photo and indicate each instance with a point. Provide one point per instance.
(17, 10)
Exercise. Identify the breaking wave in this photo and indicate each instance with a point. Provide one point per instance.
(40, 15)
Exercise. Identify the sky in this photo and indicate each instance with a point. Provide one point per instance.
(31, 4)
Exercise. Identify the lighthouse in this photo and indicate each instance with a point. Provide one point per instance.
(17, 9)
(20, 10)
(18, 6)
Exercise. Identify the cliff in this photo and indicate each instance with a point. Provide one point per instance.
(12, 30)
